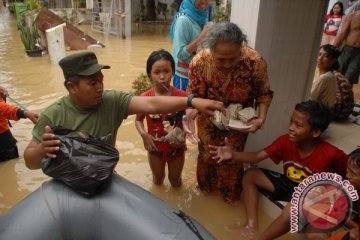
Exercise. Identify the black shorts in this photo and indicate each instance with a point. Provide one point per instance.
(284, 187)
(8, 148)
(8, 154)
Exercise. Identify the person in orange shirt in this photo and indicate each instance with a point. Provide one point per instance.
(8, 148)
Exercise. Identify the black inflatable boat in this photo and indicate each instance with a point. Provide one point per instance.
(122, 211)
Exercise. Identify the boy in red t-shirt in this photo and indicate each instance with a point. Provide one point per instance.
(302, 152)
(281, 224)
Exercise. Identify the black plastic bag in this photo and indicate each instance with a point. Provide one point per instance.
(83, 162)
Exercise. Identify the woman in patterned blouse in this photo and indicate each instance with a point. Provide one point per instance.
(226, 69)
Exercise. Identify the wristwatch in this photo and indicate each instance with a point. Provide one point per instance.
(189, 100)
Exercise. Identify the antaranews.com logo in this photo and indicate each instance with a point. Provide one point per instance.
(322, 202)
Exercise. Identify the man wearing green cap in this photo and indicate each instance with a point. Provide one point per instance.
(91, 109)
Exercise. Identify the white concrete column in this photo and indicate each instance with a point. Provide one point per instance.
(128, 18)
(56, 43)
(245, 14)
(89, 4)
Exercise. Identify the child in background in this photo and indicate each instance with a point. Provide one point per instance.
(299, 150)
(164, 139)
(332, 23)
(8, 148)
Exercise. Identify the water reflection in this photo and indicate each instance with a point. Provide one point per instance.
(36, 83)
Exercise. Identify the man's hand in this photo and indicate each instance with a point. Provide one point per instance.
(208, 106)
(49, 144)
(222, 153)
(33, 116)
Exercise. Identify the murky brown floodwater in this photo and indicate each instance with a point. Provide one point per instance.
(36, 83)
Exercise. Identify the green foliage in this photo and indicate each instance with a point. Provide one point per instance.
(34, 5)
(11, 7)
(28, 36)
(141, 84)
(80, 4)
(220, 15)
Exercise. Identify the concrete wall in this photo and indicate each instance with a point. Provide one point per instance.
(241, 14)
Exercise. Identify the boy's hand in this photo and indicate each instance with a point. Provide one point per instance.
(33, 116)
(221, 153)
(49, 143)
(354, 233)
(149, 143)
(208, 106)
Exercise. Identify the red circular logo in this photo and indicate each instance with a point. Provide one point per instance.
(325, 206)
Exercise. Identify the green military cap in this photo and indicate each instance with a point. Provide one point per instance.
(81, 64)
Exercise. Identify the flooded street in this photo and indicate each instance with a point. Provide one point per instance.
(36, 83)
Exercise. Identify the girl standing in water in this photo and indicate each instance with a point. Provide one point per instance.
(164, 139)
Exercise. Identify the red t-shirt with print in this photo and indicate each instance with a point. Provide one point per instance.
(324, 158)
(159, 125)
(332, 24)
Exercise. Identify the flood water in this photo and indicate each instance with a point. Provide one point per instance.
(36, 83)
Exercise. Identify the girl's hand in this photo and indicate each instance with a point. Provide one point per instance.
(176, 144)
(189, 129)
(149, 143)
(222, 153)
(208, 106)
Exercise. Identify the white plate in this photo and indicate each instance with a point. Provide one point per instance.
(243, 127)
(237, 125)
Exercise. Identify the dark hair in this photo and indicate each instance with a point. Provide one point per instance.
(341, 6)
(333, 53)
(158, 55)
(319, 114)
(223, 32)
(355, 156)
(75, 79)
